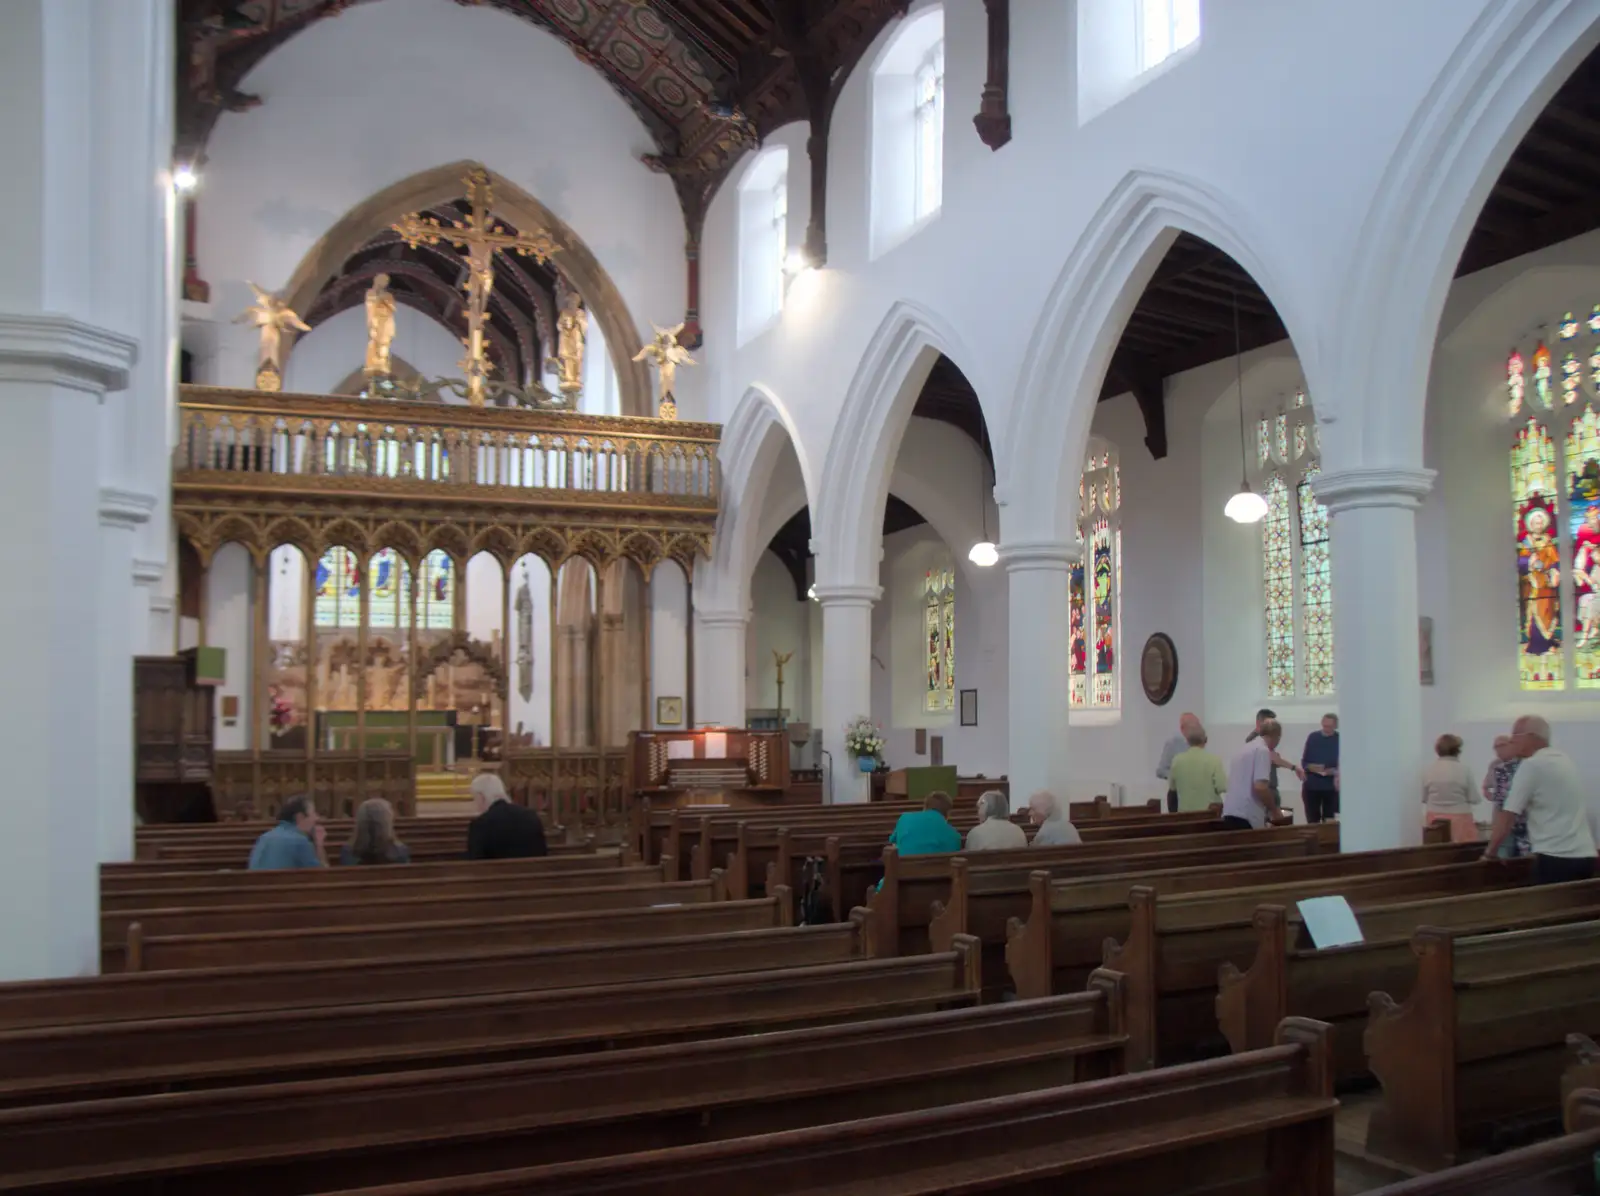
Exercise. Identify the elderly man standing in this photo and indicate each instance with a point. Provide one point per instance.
(1170, 751)
(995, 830)
(1047, 813)
(1251, 798)
(1319, 762)
(1549, 793)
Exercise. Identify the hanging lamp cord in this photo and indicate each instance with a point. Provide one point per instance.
(1238, 366)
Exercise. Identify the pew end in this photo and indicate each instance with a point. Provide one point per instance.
(133, 948)
(1251, 1003)
(1135, 958)
(950, 917)
(1028, 956)
(1113, 990)
(1411, 1048)
(783, 895)
(1580, 1110)
(1582, 1075)
(883, 908)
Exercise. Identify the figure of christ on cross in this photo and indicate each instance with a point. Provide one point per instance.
(480, 237)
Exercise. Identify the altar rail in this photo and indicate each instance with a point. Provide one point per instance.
(250, 785)
(578, 788)
(272, 438)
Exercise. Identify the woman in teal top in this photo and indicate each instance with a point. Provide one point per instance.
(928, 830)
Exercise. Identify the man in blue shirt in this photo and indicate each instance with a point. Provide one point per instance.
(1320, 760)
(296, 842)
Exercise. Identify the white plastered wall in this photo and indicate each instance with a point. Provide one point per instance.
(337, 348)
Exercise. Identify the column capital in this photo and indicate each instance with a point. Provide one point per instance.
(1050, 556)
(148, 573)
(722, 618)
(1372, 486)
(61, 351)
(847, 595)
(126, 509)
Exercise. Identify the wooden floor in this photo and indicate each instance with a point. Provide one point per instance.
(1356, 1171)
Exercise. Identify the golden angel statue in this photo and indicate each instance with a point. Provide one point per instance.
(571, 325)
(272, 315)
(666, 354)
(380, 328)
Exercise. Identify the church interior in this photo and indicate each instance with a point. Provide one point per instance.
(778, 449)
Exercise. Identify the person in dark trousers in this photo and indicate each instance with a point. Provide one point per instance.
(1320, 760)
(502, 830)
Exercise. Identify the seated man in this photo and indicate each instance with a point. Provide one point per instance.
(296, 842)
(502, 830)
(1049, 814)
(995, 830)
(928, 830)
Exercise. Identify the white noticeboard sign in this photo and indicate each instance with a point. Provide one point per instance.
(1330, 921)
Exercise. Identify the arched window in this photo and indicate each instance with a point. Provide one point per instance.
(1094, 617)
(763, 240)
(1295, 562)
(337, 599)
(1122, 43)
(1555, 484)
(939, 626)
(907, 144)
(1165, 27)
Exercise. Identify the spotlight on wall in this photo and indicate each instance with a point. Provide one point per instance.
(184, 178)
(983, 554)
(811, 593)
(797, 261)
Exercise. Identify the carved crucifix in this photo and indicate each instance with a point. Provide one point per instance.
(480, 236)
(781, 659)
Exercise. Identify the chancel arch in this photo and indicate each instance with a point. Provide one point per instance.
(442, 186)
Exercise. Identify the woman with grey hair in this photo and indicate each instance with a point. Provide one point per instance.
(373, 840)
(995, 830)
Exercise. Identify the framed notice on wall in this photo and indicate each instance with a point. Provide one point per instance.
(969, 708)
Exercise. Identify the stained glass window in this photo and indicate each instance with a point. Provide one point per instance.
(436, 597)
(389, 590)
(337, 598)
(1278, 558)
(939, 626)
(1296, 563)
(1094, 586)
(1555, 485)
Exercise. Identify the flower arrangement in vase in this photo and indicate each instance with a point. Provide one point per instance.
(863, 739)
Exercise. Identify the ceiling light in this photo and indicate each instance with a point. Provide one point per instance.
(1246, 506)
(184, 179)
(983, 554)
(811, 593)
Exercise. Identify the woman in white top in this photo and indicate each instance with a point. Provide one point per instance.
(995, 830)
(1448, 791)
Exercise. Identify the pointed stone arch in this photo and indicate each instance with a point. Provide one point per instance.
(848, 511)
(1082, 321)
(441, 184)
(1511, 62)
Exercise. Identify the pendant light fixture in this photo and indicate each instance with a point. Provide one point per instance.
(984, 554)
(1246, 506)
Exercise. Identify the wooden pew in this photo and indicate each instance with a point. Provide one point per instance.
(336, 944)
(1560, 1167)
(118, 878)
(1257, 1123)
(134, 996)
(985, 899)
(661, 831)
(407, 1126)
(237, 858)
(54, 1063)
(1288, 976)
(528, 898)
(1480, 1040)
(901, 911)
(1177, 943)
(389, 885)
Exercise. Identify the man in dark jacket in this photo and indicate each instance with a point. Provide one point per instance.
(502, 830)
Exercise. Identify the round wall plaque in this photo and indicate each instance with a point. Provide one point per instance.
(1158, 668)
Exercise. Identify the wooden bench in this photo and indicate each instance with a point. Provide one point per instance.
(1480, 1041)
(229, 857)
(453, 1121)
(1176, 944)
(134, 996)
(528, 898)
(337, 944)
(900, 912)
(660, 832)
(1288, 976)
(54, 1063)
(1256, 1123)
(985, 899)
(1560, 1167)
(153, 877)
(388, 885)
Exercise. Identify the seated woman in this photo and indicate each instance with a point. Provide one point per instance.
(1448, 792)
(373, 841)
(995, 830)
(928, 830)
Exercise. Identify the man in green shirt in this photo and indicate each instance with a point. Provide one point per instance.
(1198, 776)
